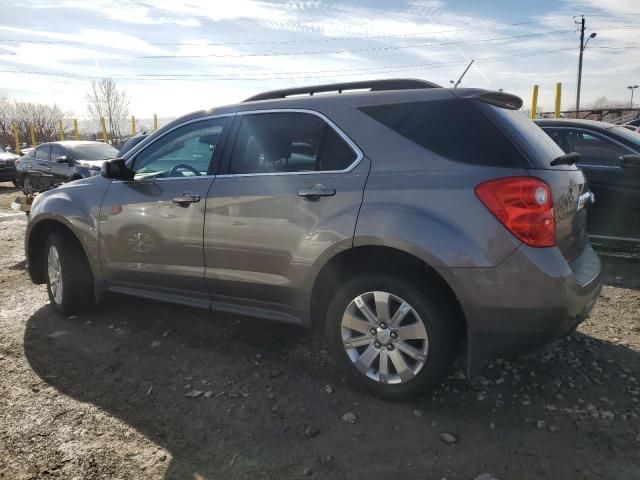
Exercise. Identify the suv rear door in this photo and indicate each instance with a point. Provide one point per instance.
(289, 194)
(151, 227)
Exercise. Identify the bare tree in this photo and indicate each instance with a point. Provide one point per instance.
(44, 119)
(104, 99)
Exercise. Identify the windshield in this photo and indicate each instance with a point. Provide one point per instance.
(627, 135)
(97, 151)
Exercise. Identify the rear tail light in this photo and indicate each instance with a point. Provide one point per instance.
(524, 206)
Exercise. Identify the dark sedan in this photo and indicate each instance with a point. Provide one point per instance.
(62, 162)
(7, 166)
(610, 158)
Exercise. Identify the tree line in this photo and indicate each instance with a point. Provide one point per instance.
(104, 100)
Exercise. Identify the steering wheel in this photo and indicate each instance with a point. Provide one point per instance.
(181, 166)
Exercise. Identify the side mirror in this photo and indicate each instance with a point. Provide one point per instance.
(65, 159)
(116, 169)
(630, 162)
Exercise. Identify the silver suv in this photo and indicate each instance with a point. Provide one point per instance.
(402, 220)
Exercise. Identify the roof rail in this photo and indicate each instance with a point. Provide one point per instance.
(372, 85)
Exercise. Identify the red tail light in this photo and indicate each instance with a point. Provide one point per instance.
(524, 206)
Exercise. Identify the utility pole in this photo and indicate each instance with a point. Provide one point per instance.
(583, 45)
(580, 65)
(632, 88)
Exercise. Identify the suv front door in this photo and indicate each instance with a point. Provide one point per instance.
(151, 227)
(617, 192)
(290, 193)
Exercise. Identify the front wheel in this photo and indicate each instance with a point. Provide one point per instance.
(392, 336)
(68, 275)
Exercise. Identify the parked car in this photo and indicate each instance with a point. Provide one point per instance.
(132, 142)
(610, 158)
(364, 213)
(65, 161)
(7, 166)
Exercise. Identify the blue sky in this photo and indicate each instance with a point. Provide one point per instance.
(174, 57)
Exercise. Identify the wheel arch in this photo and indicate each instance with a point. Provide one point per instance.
(376, 258)
(35, 244)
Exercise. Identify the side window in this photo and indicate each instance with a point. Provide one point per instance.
(57, 151)
(596, 149)
(42, 153)
(559, 137)
(288, 142)
(455, 129)
(184, 152)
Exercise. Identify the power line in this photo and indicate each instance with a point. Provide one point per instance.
(285, 42)
(284, 75)
(354, 50)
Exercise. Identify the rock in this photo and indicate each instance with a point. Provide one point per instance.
(155, 344)
(275, 373)
(349, 418)
(193, 393)
(552, 408)
(418, 413)
(328, 388)
(311, 431)
(307, 472)
(208, 394)
(72, 317)
(492, 426)
(541, 424)
(57, 334)
(485, 476)
(448, 438)
(554, 429)
(607, 415)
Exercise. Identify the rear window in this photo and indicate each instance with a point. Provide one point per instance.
(455, 129)
(538, 147)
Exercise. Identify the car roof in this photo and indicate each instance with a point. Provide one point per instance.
(74, 143)
(573, 122)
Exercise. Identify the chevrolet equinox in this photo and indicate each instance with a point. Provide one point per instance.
(399, 216)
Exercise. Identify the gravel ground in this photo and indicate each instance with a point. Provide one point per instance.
(143, 390)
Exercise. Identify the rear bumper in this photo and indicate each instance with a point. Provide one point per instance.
(533, 297)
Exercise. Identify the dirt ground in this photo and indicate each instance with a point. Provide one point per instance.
(138, 390)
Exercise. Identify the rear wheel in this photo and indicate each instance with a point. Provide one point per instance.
(390, 335)
(69, 277)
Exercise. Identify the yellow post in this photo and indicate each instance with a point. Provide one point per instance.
(15, 136)
(155, 121)
(61, 130)
(33, 135)
(104, 130)
(75, 129)
(558, 98)
(534, 102)
(133, 125)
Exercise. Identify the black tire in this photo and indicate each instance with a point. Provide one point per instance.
(440, 319)
(77, 280)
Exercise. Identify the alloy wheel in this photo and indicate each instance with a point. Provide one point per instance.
(384, 337)
(54, 270)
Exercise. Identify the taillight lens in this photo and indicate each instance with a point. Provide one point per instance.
(524, 206)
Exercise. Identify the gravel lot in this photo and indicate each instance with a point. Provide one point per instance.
(144, 390)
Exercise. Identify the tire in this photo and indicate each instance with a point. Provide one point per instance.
(68, 275)
(410, 370)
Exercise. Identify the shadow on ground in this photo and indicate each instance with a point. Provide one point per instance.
(272, 387)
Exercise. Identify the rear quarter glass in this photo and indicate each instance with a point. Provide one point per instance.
(536, 145)
(454, 128)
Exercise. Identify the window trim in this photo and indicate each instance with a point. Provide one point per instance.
(44, 145)
(591, 132)
(354, 147)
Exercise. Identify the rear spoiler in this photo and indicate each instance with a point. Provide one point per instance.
(499, 99)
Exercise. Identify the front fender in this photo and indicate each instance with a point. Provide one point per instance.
(75, 206)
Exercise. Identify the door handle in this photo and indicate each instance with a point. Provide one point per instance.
(185, 199)
(314, 192)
